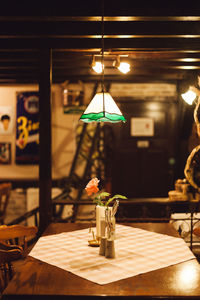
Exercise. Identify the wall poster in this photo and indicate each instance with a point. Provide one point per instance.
(27, 128)
(73, 97)
(5, 153)
(142, 127)
(6, 120)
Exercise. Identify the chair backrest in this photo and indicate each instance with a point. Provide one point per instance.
(10, 236)
(8, 254)
(17, 234)
(5, 190)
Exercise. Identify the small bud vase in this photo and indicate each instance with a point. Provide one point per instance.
(100, 216)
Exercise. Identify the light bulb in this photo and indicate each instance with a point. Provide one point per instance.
(189, 97)
(124, 67)
(98, 67)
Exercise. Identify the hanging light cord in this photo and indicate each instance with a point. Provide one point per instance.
(102, 54)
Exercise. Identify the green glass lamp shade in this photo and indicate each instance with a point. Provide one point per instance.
(102, 108)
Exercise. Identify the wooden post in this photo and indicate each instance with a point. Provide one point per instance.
(45, 177)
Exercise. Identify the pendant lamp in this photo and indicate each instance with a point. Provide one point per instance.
(102, 108)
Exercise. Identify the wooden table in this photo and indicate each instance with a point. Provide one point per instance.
(38, 280)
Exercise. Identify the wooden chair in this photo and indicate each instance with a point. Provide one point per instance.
(17, 234)
(13, 246)
(5, 190)
(8, 254)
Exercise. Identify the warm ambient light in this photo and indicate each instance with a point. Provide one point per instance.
(97, 67)
(190, 95)
(123, 67)
(102, 108)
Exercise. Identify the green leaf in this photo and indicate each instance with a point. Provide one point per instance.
(120, 197)
(104, 195)
(98, 202)
(115, 197)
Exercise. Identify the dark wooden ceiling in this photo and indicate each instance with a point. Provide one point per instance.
(160, 39)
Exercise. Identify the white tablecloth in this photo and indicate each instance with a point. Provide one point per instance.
(137, 251)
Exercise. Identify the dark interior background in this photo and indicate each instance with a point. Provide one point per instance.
(151, 171)
(161, 41)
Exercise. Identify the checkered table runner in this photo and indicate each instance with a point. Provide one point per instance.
(137, 251)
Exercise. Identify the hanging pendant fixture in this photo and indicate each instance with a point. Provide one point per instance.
(102, 108)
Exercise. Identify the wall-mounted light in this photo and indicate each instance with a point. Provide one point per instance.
(97, 66)
(123, 67)
(190, 95)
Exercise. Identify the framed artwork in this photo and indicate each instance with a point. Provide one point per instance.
(142, 127)
(27, 128)
(5, 153)
(73, 97)
(6, 120)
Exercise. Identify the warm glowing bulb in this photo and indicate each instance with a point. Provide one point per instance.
(124, 67)
(98, 67)
(189, 97)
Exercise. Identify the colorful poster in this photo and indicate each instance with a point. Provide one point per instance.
(6, 120)
(27, 128)
(5, 153)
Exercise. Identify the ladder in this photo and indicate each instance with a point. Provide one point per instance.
(90, 152)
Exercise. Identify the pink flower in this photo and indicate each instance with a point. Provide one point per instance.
(92, 186)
